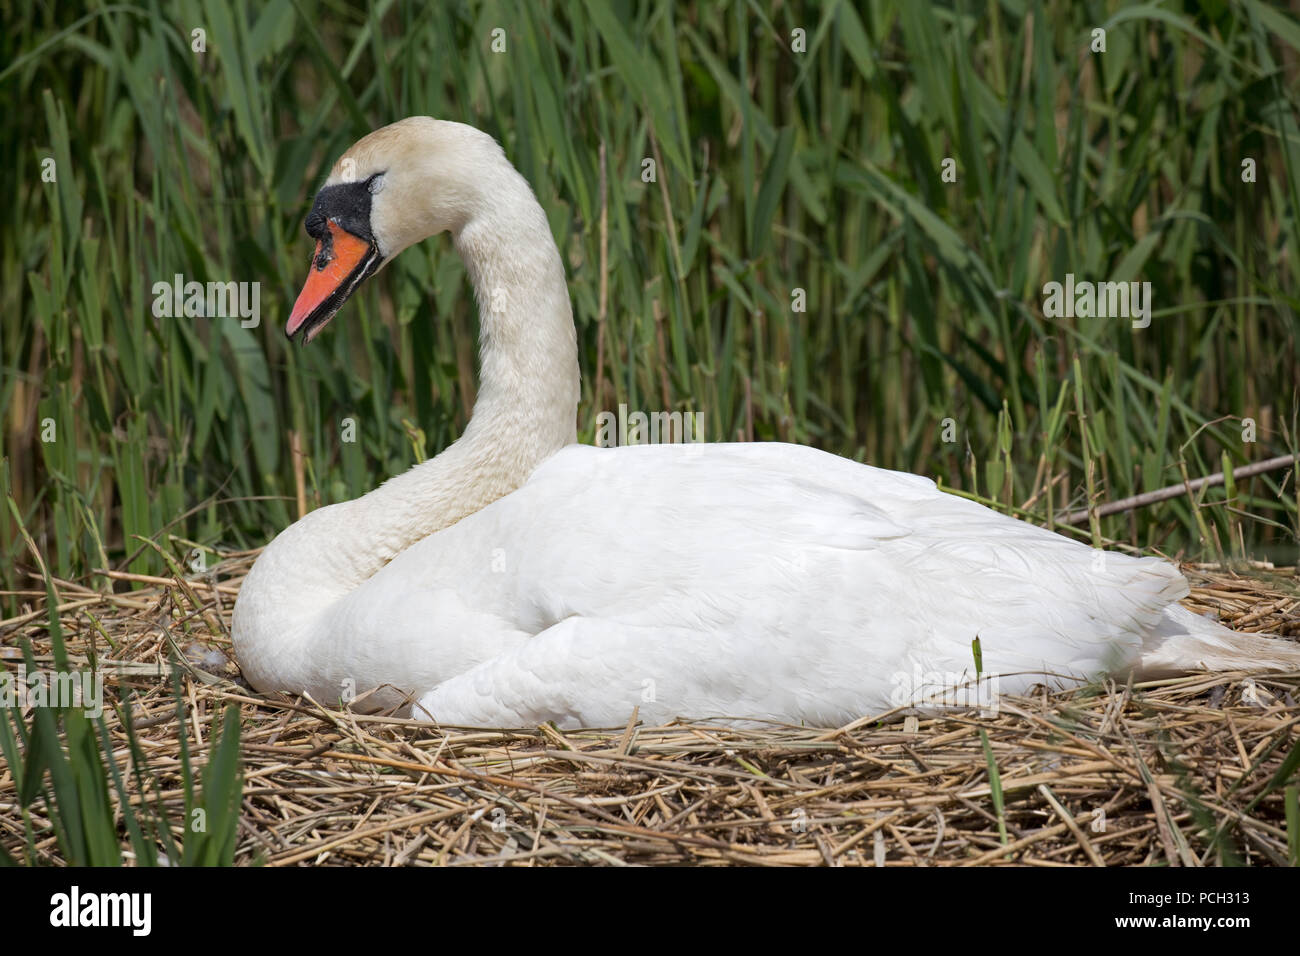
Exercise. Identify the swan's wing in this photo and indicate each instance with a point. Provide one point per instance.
(586, 672)
(808, 556)
(844, 583)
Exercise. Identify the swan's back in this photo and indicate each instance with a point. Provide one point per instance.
(825, 586)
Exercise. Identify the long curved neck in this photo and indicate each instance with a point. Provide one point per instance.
(527, 402)
(525, 411)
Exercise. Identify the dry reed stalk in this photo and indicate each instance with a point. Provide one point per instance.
(1094, 776)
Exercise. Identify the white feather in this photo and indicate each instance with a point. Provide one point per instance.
(518, 577)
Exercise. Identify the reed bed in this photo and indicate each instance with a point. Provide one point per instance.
(799, 152)
(1188, 772)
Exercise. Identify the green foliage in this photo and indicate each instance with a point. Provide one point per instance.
(65, 758)
(821, 171)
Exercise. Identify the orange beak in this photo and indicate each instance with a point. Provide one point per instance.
(339, 265)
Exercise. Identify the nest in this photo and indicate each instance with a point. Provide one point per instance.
(1188, 772)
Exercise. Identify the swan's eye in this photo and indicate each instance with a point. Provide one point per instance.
(375, 183)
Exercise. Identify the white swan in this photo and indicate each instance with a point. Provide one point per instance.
(518, 577)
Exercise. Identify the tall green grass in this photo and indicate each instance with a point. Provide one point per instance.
(776, 171)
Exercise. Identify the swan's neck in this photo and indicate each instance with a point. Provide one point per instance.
(528, 386)
(525, 412)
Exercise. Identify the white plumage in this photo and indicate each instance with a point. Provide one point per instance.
(518, 577)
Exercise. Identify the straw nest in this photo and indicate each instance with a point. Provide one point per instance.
(1181, 772)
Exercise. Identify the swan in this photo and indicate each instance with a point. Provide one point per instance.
(519, 577)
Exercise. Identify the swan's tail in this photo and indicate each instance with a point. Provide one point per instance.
(1184, 641)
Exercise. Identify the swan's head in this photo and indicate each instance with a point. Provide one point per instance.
(391, 189)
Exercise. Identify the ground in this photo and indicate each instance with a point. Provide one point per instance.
(1190, 772)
